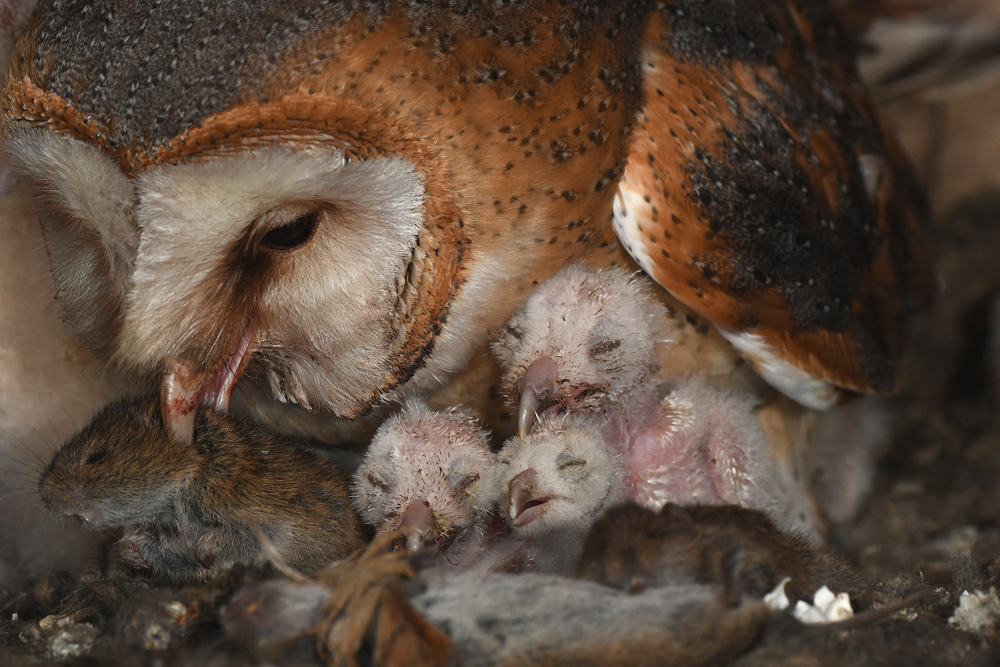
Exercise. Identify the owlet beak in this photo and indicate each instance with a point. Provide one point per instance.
(526, 502)
(417, 525)
(538, 382)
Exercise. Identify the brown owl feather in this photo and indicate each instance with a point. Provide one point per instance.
(345, 202)
(763, 190)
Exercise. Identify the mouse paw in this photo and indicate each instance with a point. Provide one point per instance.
(204, 550)
(162, 553)
(131, 551)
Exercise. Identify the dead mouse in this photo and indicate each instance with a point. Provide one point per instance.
(189, 511)
(633, 547)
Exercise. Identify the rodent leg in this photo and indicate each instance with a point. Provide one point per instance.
(204, 551)
(131, 552)
(162, 552)
(222, 546)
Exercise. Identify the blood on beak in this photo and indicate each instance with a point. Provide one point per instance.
(181, 391)
(179, 394)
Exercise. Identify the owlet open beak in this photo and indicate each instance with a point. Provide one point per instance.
(526, 502)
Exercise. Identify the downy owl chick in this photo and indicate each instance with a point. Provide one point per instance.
(557, 480)
(429, 475)
(583, 343)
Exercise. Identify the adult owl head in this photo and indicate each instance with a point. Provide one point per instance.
(315, 195)
(344, 199)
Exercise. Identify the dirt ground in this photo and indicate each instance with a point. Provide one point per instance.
(932, 519)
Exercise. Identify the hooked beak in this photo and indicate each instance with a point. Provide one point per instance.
(417, 525)
(538, 381)
(526, 503)
(179, 403)
(527, 411)
(181, 390)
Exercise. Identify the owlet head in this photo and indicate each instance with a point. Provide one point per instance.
(562, 475)
(584, 338)
(426, 474)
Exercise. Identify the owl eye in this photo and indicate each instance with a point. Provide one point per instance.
(567, 460)
(511, 330)
(292, 234)
(606, 350)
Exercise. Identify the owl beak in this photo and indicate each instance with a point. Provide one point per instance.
(417, 524)
(526, 503)
(219, 389)
(538, 381)
(182, 390)
(527, 411)
(179, 393)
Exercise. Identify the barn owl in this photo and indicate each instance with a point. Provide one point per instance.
(583, 341)
(343, 202)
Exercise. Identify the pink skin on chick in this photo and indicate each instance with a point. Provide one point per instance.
(699, 446)
(428, 474)
(583, 343)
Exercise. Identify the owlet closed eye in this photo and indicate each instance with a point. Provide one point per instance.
(564, 463)
(606, 350)
(468, 481)
(377, 482)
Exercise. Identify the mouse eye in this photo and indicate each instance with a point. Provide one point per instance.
(377, 482)
(96, 457)
(467, 482)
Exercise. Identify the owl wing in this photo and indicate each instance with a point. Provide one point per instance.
(763, 190)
